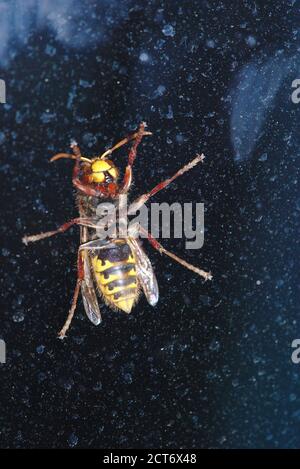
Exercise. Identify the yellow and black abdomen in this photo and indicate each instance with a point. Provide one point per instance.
(115, 272)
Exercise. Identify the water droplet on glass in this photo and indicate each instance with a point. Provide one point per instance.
(168, 30)
(73, 440)
(263, 157)
(18, 317)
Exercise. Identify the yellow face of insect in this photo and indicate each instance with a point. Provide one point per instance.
(103, 171)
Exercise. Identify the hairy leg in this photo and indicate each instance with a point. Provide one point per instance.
(154, 243)
(125, 140)
(89, 222)
(136, 204)
(127, 181)
(80, 277)
(88, 246)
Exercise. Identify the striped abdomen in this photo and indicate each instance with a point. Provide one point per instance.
(115, 273)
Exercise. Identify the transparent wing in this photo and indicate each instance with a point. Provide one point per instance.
(144, 272)
(88, 292)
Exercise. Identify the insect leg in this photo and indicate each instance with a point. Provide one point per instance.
(84, 187)
(80, 277)
(136, 204)
(95, 244)
(76, 221)
(131, 157)
(154, 243)
(91, 245)
(87, 188)
(123, 142)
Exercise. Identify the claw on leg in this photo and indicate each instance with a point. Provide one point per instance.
(140, 133)
(80, 278)
(89, 222)
(62, 332)
(127, 180)
(137, 204)
(31, 239)
(187, 265)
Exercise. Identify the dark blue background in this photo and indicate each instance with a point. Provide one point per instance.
(210, 366)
